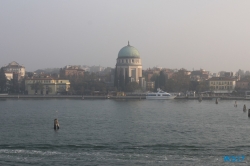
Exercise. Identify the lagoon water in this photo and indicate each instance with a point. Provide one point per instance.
(122, 132)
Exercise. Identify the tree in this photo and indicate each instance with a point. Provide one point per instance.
(203, 86)
(3, 80)
(132, 86)
(240, 73)
(37, 86)
(30, 74)
(170, 85)
(121, 81)
(154, 77)
(162, 80)
(157, 82)
(193, 85)
(181, 80)
(82, 90)
(48, 90)
(126, 77)
(22, 85)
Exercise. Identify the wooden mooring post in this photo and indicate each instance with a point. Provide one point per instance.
(235, 104)
(200, 98)
(244, 108)
(56, 124)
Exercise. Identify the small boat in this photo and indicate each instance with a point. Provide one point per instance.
(160, 94)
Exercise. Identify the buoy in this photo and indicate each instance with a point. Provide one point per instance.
(216, 101)
(235, 104)
(244, 108)
(56, 124)
(248, 112)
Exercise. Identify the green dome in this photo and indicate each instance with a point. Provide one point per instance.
(128, 52)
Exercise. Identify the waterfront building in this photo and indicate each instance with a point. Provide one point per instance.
(222, 84)
(199, 75)
(96, 68)
(46, 86)
(243, 85)
(128, 67)
(12, 69)
(9, 75)
(69, 71)
(150, 85)
(228, 74)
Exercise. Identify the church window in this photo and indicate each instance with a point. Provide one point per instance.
(133, 60)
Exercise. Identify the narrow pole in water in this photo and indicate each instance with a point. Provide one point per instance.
(200, 98)
(235, 104)
(244, 108)
(248, 112)
(216, 101)
(56, 124)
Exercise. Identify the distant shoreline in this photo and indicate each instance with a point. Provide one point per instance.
(107, 97)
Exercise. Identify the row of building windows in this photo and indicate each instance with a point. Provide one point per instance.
(158, 94)
(127, 61)
(46, 81)
(222, 87)
(13, 69)
(42, 81)
(72, 73)
(221, 83)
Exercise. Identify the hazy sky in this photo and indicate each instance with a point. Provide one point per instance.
(209, 34)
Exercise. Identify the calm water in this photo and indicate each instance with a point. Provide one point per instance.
(122, 132)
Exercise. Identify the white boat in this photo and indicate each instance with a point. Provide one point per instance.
(159, 95)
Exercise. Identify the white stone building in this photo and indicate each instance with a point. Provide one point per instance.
(128, 67)
(46, 86)
(14, 68)
(222, 84)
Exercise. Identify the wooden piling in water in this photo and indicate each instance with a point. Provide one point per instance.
(244, 108)
(200, 98)
(216, 101)
(248, 112)
(56, 124)
(235, 104)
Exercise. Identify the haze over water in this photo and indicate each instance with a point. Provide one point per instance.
(122, 132)
(212, 35)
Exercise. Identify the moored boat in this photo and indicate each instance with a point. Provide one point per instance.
(160, 94)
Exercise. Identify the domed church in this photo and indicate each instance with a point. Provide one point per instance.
(128, 67)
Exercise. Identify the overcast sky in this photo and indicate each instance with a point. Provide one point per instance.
(210, 34)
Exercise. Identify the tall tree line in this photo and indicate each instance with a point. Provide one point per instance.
(3, 81)
(179, 82)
